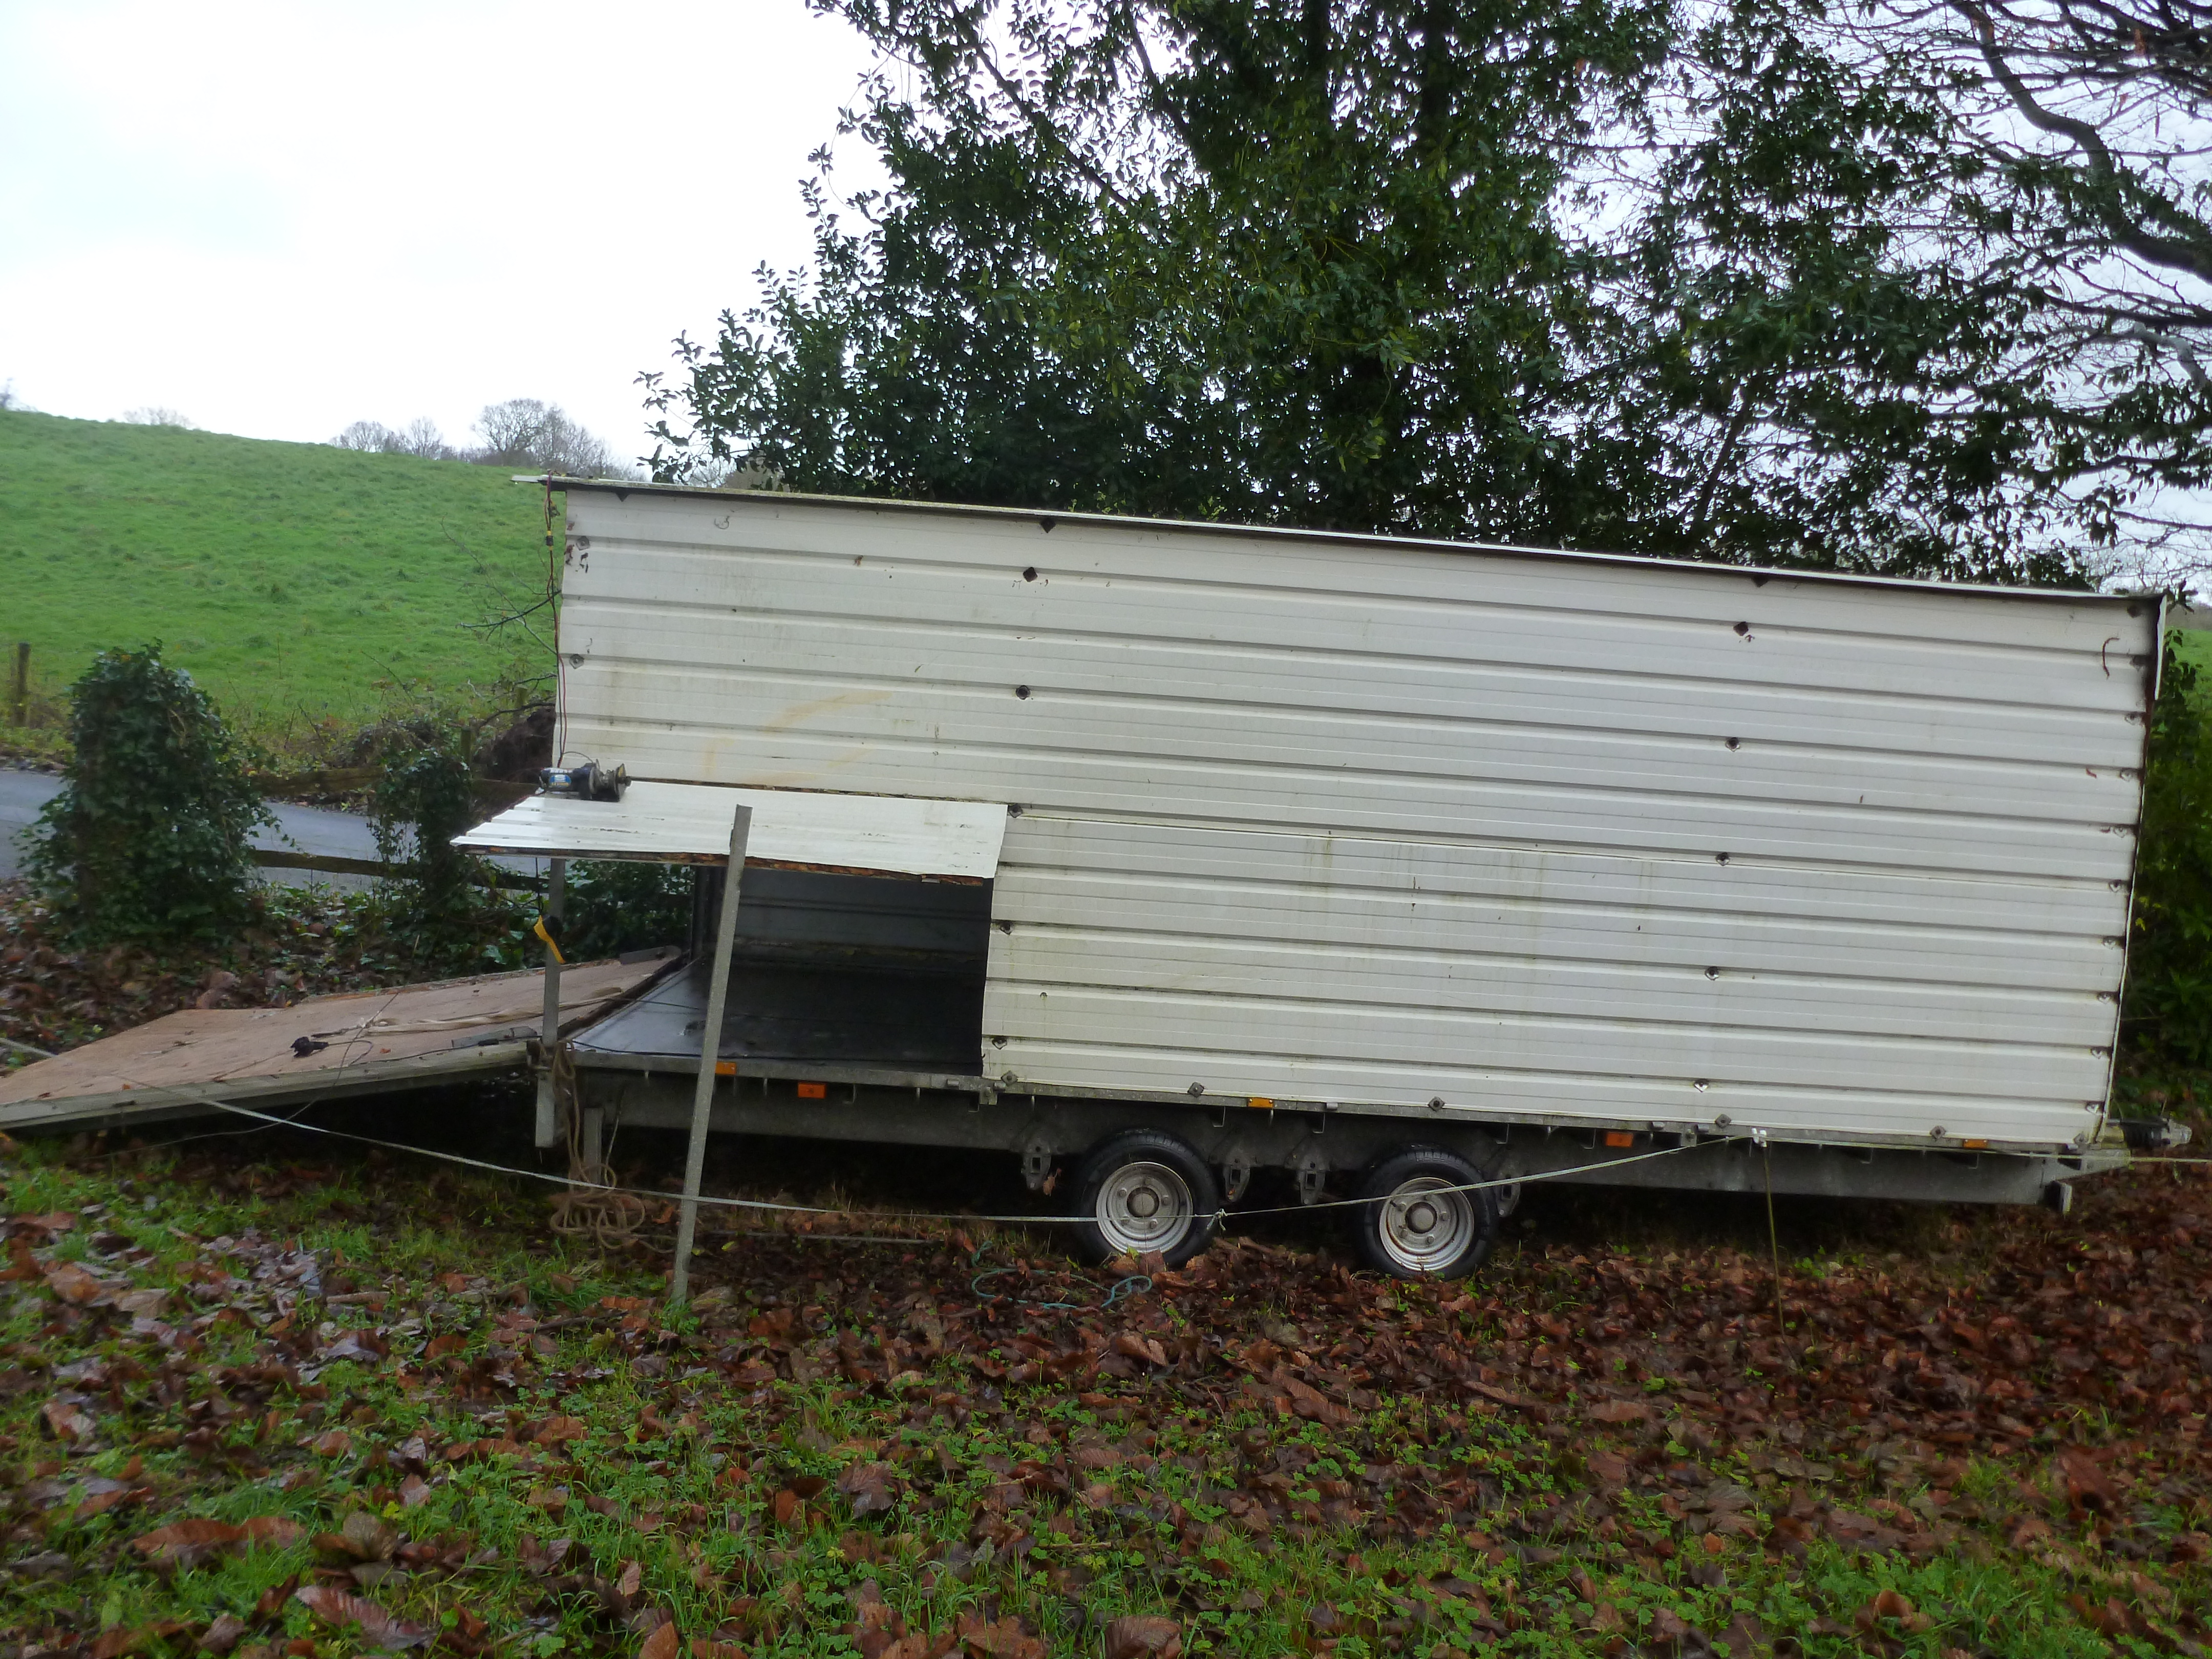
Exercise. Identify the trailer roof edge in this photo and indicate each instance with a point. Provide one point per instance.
(622, 487)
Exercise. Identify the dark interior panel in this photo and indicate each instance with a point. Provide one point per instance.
(851, 970)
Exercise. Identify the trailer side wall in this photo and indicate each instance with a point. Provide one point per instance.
(1385, 823)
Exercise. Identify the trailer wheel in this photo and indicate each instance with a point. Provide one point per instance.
(1146, 1191)
(1419, 1225)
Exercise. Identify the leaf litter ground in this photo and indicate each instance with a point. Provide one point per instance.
(265, 1395)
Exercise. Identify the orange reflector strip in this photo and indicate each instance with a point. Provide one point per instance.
(1260, 1101)
(1618, 1138)
(814, 1091)
(725, 1068)
(1974, 1145)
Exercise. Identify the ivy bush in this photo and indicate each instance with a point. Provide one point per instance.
(2166, 1017)
(439, 906)
(150, 837)
(617, 905)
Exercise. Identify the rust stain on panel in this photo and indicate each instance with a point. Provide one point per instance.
(798, 714)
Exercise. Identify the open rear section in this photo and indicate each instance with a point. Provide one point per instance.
(873, 973)
(861, 930)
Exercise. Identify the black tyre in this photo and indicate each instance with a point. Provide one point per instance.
(1420, 1223)
(1142, 1191)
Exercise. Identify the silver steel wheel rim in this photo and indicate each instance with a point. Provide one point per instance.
(1425, 1225)
(1145, 1206)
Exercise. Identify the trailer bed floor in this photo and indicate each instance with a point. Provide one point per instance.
(794, 1013)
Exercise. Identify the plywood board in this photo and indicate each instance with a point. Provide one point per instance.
(362, 1042)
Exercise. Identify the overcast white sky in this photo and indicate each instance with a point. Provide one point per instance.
(280, 218)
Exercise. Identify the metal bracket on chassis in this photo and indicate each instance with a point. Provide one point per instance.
(1313, 1174)
(1235, 1172)
(1037, 1166)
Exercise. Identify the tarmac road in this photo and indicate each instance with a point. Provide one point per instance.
(301, 829)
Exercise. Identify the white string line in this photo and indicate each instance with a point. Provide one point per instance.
(1219, 1216)
(1754, 1134)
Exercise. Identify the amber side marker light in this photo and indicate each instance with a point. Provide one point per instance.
(1618, 1138)
(813, 1091)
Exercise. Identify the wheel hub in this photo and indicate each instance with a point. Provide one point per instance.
(1426, 1225)
(1145, 1206)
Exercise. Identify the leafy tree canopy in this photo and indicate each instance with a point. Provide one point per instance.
(1754, 283)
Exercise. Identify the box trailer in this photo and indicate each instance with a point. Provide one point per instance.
(1401, 866)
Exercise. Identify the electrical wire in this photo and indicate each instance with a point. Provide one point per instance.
(1132, 1285)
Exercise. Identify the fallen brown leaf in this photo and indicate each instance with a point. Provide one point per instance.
(364, 1537)
(121, 1639)
(1608, 1467)
(99, 1503)
(1892, 1605)
(383, 1627)
(1668, 1629)
(186, 1543)
(1143, 1636)
(870, 1488)
(1005, 1639)
(73, 1284)
(1313, 1405)
(2087, 1485)
(66, 1421)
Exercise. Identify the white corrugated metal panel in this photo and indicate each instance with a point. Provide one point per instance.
(691, 824)
(1377, 822)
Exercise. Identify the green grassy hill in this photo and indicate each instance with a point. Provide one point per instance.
(2196, 648)
(298, 583)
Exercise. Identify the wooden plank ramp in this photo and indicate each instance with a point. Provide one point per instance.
(361, 1042)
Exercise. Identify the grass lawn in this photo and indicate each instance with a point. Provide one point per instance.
(298, 583)
(280, 1397)
(2196, 647)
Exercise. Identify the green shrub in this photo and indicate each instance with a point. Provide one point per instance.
(439, 907)
(2166, 1018)
(615, 905)
(150, 837)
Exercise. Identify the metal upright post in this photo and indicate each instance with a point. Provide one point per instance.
(549, 1026)
(710, 1053)
(20, 703)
